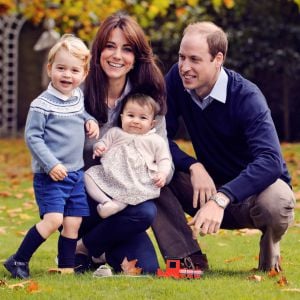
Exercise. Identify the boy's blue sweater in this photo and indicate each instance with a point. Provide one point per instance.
(236, 141)
(55, 132)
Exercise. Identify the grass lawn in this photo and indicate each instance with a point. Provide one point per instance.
(232, 254)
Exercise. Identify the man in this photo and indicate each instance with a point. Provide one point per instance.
(239, 178)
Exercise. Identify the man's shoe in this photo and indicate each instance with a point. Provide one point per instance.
(196, 261)
(18, 269)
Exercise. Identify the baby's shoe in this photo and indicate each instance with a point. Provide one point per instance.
(18, 269)
(103, 271)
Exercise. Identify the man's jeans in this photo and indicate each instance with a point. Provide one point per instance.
(271, 211)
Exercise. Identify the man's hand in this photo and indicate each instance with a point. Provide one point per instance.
(159, 179)
(203, 185)
(92, 129)
(59, 172)
(207, 219)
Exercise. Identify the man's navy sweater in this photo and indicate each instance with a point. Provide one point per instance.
(236, 142)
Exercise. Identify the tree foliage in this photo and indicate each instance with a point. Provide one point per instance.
(82, 17)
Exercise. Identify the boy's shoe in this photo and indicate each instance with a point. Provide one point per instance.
(18, 269)
(82, 263)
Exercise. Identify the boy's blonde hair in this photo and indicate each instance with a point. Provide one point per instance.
(75, 46)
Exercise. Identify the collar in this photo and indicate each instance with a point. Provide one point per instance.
(127, 89)
(219, 90)
(53, 91)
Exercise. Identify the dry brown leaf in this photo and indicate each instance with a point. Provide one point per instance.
(282, 281)
(33, 287)
(3, 282)
(233, 259)
(62, 271)
(254, 277)
(24, 217)
(14, 212)
(273, 273)
(129, 267)
(247, 231)
(20, 285)
(297, 195)
(28, 204)
(19, 195)
(21, 232)
(5, 194)
(2, 230)
(291, 290)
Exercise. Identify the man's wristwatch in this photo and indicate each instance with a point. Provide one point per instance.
(220, 200)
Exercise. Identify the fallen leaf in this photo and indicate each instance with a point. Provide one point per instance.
(19, 195)
(291, 290)
(2, 230)
(247, 231)
(28, 204)
(25, 217)
(257, 278)
(5, 194)
(233, 259)
(61, 271)
(129, 267)
(22, 233)
(14, 212)
(33, 287)
(282, 281)
(20, 285)
(3, 282)
(273, 273)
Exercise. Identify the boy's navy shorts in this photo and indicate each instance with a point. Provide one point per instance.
(67, 196)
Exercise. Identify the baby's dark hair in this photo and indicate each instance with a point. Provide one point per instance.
(143, 100)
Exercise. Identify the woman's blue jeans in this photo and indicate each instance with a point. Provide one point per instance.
(121, 235)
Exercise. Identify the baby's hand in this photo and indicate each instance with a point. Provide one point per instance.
(99, 151)
(160, 179)
(92, 129)
(59, 172)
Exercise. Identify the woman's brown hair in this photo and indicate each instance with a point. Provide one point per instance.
(145, 77)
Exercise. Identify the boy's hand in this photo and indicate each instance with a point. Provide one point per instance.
(99, 151)
(159, 179)
(59, 172)
(92, 129)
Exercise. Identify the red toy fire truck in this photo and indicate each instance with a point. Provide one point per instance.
(174, 269)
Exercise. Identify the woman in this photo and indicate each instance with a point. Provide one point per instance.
(122, 62)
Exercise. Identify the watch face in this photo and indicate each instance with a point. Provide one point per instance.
(220, 201)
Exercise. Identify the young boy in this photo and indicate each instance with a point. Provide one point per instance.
(55, 133)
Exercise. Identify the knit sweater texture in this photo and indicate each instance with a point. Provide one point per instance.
(236, 141)
(55, 133)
